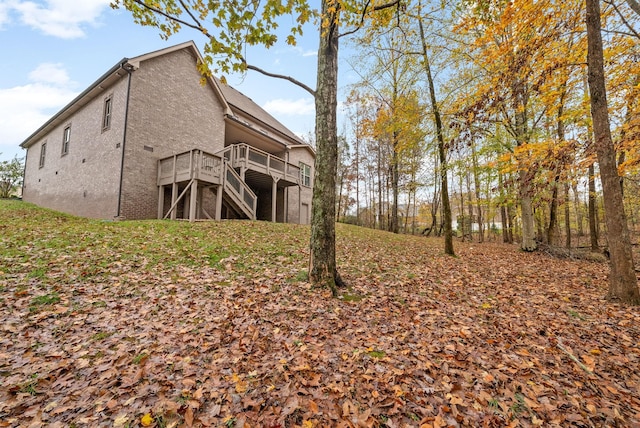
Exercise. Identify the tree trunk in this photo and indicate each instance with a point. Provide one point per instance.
(462, 224)
(476, 183)
(593, 218)
(357, 168)
(395, 178)
(520, 101)
(552, 231)
(567, 216)
(528, 217)
(578, 207)
(415, 211)
(446, 207)
(388, 209)
(633, 4)
(504, 217)
(434, 212)
(540, 217)
(322, 265)
(340, 186)
(623, 283)
(505, 224)
(511, 229)
(469, 205)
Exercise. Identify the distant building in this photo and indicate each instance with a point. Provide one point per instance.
(148, 140)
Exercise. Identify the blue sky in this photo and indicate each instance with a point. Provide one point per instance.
(54, 49)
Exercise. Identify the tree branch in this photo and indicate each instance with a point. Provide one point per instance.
(186, 8)
(633, 4)
(200, 28)
(281, 76)
(364, 13)
(386, 5)
(624, 20)
(359, 26)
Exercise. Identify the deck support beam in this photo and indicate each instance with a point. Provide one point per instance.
(193, 201)
(174, 199)
(218, 214)
(274, 199)
(160, 201)
(300, 221)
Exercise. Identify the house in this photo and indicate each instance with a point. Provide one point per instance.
(149, 140)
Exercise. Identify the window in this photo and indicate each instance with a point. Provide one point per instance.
(305, 174)
(66, 137)
(106, 114)
(43, 153)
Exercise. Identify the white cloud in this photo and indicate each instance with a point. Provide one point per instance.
(50, 73)
(60, 18)
(4, 13)
(23, 109)
(301, 106)
(306, 53)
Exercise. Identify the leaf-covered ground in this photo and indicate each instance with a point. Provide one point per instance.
(170, 324)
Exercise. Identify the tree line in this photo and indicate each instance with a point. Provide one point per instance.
(512, 105)
(513, 102)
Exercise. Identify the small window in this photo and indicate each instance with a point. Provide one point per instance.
(66, 137)
(305, 174)
(43, 153)
(106, 115)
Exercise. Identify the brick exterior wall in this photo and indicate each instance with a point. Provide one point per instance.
(303, 194)
(84, 181)
(169, 112)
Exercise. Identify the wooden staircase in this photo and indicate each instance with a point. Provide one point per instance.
(199, 168)
(238, 194)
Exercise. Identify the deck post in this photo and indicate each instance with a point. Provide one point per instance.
(300, 205)
(160, 201)
(174, 196)
(200, 206)
(218, 215)
(274, 199)
(193, 201)
(220, 189)
(286, 204)
(174, 186)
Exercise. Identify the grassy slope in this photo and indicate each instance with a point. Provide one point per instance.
(212, 324)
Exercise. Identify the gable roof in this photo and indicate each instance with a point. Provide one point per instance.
(238, 101)
(229, 97)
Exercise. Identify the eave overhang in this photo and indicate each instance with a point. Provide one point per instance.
(103, 83)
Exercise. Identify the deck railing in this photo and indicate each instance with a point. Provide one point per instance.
(242, 194)
(194, 164)
(243, 155)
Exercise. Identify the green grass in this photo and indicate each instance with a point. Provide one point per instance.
(176, 294)
(376, 354)
(29, 387)
(101, 335)
(351, 297)
(51, 249)
(54, 248)
(139, 358)
(576, 314)
(47, 299)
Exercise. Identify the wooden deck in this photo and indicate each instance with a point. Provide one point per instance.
(245, 157)
(197, 167)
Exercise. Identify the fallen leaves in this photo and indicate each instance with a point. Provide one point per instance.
(146, 420)
(429, 341)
